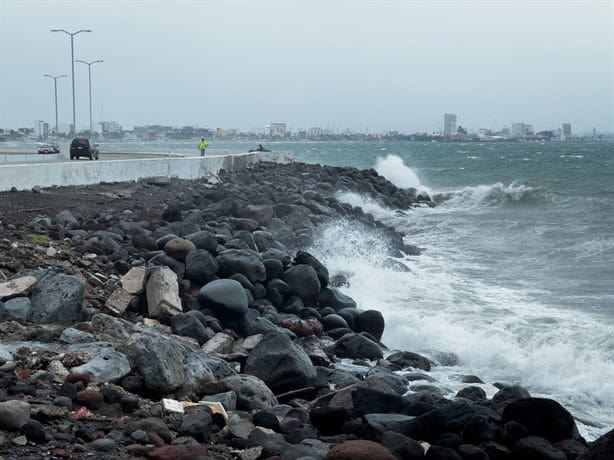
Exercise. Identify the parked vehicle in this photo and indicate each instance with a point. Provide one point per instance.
(81, 147)
(48, 148)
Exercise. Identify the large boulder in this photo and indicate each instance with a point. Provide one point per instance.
(303, 257)
(542, 417)
(405, 359)
(14, 414)
(303, 281)
(200, 266)
(203, 240)
(163, 293)
(226, 297)
(57, 298)
(252, 393)
(260, 213)
(158, 360)
(372, 322)
(281, 364)
(244, 261)
(601, 449)
(536, 448)
(357, 346)
(332, 297)
(191, 324)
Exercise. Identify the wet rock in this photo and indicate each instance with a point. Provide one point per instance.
(405, 359)
(196, 422)
(357, 346)
(572, 449)
(479, 429)
(33, 430)
(509, 393)
(441, 453)
(372, 322)
(329, 420)
(167, 261)
(228, 399)
(472, 393)
(281, 364)
(303, 281)
(534, 447)
(303, 257)
(542, 417)
(402, 446)
(260, 213)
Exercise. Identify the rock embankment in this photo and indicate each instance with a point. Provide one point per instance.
(187, 320)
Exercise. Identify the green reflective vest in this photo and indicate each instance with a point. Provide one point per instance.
(202, 145)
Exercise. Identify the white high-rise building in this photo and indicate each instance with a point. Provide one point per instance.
(449, 124)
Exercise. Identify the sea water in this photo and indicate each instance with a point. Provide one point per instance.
(516, 280)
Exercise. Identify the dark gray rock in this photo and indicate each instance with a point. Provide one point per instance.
(331, 297)
(252, 393)
(329, 420)
(405, 359)
(369, 400)
(200, 266)
(203, 240)
(372, 322)
(158, 360)
(170, 262)
(472, 393)
(303, 281)
(357, 346)
(57, 298)
(14, 414)
(479, 429)
(18, 309)
(243, 261)
(508, 394)
(225, 297)
(303, 257)
(260, 213)
(536, 448)
(281, 364)
(197, 423)
(402, 446)
(333, 322)
(542, 417)
(190, 325)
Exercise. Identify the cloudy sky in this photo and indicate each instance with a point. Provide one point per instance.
(377, 65)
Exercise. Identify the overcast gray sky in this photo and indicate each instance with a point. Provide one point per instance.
(377, 65)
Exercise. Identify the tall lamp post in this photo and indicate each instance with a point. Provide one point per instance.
(55, 84)
(89, 69)
(72, 63)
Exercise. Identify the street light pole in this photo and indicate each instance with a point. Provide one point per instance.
(89, 69)
(55, 84)
(72, 63)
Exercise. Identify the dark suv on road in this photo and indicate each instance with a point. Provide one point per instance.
(81, 147)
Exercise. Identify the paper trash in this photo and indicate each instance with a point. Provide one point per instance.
(172, 405)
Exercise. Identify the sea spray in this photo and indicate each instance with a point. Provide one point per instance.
(497, 332)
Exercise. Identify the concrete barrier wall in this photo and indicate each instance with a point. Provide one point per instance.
(26, 176)
(34, 157)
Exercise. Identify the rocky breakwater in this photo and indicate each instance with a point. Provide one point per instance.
(115, 317)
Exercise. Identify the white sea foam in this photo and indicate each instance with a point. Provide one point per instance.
(489, 195)
(397, 172)
(498, 333)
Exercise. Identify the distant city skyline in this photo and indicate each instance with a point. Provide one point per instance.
(364, 67)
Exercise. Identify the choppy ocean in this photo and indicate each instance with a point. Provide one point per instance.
(516, 278)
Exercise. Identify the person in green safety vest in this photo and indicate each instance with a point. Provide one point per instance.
(202, 146)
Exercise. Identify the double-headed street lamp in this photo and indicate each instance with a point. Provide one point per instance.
(89, 69)
(72, 62)
(55, 84)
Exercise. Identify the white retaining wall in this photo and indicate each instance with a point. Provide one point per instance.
(26, 176)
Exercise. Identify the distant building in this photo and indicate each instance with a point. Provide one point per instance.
(519, 130)
(566, 130)
(449, 124)
(314, 133)
(38, 128)
(110, 127)
(277, 129)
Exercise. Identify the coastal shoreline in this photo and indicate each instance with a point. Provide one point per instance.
(111, 229)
